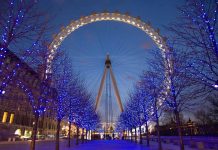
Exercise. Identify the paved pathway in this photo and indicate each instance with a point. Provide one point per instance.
(90, 145)
(111, 145)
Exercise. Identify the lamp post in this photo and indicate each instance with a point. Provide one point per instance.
(140, 127)
(190, 125)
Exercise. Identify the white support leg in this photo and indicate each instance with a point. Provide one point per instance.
(101, 88)
(116, 91)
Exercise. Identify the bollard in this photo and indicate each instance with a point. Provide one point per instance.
(200, 145)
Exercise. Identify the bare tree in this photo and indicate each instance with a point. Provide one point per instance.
(183, 92)
(196, 31)
(151, 84)
(23, 26)
(21, 23)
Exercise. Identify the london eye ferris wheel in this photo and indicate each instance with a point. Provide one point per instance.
(127, 47)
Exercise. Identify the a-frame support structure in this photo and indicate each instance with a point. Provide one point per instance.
(108, 68)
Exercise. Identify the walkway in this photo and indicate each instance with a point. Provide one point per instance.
(111, 145)
(90, 145)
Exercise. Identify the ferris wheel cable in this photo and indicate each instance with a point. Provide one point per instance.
(91, 84)
(86, 64)
(116, 62)
(131, 69)
(124, 49)
(121, 47)
(127, 58)
(88, 57)
(134, 67)
(101, 45)
(76, 49)
(101, 42)
(128, 62)
(129, 53)
(89, 66)
(121, 81)
(80, 48)
(95, 84)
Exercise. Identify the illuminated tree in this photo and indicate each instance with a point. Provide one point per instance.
(21, 22)
(145, 104)
(80, 109)
(133, 115)
(61, 80)
(182, 92)
(151, 85)
(196, 32)
(127, 120)
(22, 29)
(23, 26)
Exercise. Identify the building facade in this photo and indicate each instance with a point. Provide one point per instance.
(17, 81)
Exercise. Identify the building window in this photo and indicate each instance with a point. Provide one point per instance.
(18, 132)
(4, 118)
(11, 118)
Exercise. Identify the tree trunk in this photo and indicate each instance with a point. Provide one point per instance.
(140, 136)
(77, 135)
(178, 124)
(69, 134)
(157, 124)
(135, 136)
(127, 134)
(158, 134)
(57, 147)
(147, 134)
(82, 135)
(86, 135)
(90, 133)
(34, 132)
(131, 134)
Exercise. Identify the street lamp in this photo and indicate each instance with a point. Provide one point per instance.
(2, 92)
(216, 84)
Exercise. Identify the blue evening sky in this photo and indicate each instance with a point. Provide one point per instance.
(87, 47)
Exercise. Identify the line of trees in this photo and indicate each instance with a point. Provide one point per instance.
(74, 103)
(193, 79)
(24, 30)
